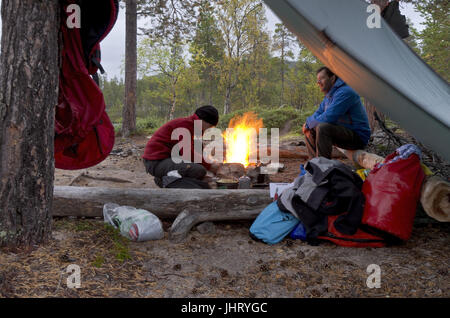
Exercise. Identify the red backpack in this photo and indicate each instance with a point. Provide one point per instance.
(362, 237)
(84, 135)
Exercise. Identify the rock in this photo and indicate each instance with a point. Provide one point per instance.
(231, 170)
(206, 228)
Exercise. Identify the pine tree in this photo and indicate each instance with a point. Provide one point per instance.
(29, 78)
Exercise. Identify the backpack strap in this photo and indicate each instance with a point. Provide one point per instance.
(95, 59)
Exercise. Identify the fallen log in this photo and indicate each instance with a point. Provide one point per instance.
(435, 193)
(198, 205)
(362, 158)
(300, 152)
(164, 203)
(292, 152)
(188, 218)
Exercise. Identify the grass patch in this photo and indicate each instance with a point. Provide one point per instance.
(148, 125)
(74, 225)
(106, 237)
(84, 225)
(98, 261)
(120, 249)
(144, 126)
(292, 135)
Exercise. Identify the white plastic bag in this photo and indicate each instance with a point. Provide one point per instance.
(136, 224)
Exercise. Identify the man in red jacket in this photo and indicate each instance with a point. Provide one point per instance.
(158, 159)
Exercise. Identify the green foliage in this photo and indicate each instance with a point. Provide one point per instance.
(105, 235)
(148, 125)
(229, 60)
(278, 117)
(83, 225)
(435, 37)
(98, 261)
(224, 120)
(122, 252)
(120, 243)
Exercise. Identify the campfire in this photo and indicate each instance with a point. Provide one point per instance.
(240, 139)
(241, 165)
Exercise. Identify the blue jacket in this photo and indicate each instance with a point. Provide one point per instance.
(343, 107)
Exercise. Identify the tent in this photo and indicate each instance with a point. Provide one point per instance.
(375, 62)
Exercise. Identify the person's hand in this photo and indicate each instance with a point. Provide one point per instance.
(304, 129)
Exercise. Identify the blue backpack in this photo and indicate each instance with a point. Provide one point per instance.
(272, 224)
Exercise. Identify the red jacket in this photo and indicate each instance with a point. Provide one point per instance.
(160, 144)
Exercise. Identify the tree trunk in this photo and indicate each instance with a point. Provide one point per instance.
(227, 106)
(129, 108)
(211, 86)
(174, 102)
(29, 74)
(282, 73)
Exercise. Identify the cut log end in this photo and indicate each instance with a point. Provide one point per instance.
(435, 198)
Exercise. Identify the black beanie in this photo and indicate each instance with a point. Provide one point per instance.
(209, 114)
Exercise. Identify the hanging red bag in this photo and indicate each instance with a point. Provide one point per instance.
(392, 192)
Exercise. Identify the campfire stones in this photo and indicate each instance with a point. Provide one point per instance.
(257, 178)
(231, 171)
(245, 182)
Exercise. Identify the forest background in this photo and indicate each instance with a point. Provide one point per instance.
(221, 53)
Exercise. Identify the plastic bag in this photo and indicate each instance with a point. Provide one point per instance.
(136, 224)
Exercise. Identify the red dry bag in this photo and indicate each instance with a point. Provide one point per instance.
(392, 192)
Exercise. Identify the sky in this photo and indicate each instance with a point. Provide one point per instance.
(113, 47)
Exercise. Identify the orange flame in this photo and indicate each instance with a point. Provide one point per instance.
(241, 139)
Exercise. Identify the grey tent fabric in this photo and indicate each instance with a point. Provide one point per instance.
(375, 62)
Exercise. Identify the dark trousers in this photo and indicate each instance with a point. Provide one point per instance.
(321, 139)
(160, 168)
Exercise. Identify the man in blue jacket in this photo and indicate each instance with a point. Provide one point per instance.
(341, 119)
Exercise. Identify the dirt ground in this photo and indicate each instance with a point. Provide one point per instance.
(223, 262)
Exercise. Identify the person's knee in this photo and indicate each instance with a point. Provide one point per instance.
(324, 128)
